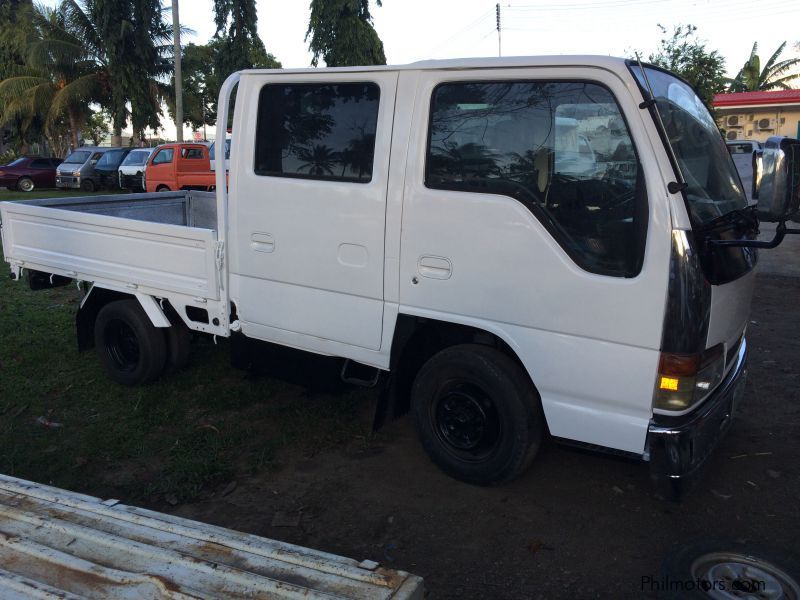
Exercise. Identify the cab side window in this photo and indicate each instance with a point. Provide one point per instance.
(562, 149)
(163, 157)
(317, 131)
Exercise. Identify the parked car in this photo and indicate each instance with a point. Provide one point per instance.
(131, 169)
(29, 172)
(106, 168)
(78, 169)
(179, 167)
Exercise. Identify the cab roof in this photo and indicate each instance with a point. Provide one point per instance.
(606, 62)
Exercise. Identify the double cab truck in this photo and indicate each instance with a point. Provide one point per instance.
(516, 247)
(174, 167)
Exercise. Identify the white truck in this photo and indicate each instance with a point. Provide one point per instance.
(412, 220)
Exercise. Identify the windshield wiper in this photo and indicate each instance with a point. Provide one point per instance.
(738, 216)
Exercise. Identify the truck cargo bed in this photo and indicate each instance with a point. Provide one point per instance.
(59, 544)
(154, 243)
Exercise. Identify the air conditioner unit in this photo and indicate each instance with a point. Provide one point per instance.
(766, 124)
(732, 135)
(734, 121)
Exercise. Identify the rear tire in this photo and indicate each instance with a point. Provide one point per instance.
(130, 348)
(87, 185)
(162, 188)
(25, 184)
(478, 415)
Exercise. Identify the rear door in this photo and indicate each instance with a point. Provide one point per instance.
(309, 205)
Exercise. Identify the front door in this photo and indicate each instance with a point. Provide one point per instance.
(308, 207)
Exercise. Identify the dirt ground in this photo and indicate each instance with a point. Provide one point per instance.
(577, 525)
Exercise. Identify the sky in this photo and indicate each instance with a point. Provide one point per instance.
(414, 30)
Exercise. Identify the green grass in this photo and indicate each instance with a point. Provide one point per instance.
(181, 436)
(6, 194)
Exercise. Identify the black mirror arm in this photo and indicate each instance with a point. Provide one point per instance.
(781, 231)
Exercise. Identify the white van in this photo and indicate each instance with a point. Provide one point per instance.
(412, 220)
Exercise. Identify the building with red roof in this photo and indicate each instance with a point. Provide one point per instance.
(758, 115)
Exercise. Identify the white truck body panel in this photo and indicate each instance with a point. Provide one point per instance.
(320, 275)
(132, 254)
(59, 544)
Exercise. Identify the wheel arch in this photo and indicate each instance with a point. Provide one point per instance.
(416, 339)
(97, 298)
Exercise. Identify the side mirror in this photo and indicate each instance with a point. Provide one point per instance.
(776, 183)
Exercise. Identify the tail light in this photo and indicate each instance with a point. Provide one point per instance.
(686, 379)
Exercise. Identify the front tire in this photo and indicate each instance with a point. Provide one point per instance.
(131, 349)
(162, 188)
(25, 184)
(478, 415)
(87, 185)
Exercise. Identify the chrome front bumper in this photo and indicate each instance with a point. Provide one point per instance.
(678, 446)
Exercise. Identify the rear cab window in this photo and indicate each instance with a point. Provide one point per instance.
(317, 131)
(560, 148)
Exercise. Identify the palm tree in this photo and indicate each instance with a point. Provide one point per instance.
(319, 159)
(58, 82)
(132, 42)
(774, 75)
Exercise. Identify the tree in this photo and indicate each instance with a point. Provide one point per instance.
(15, 32)
(685, 55)
(341, 33)
(201, 80)
(133, 42)
(96, 127)
(236, 44)
(56, 83)
(775, 75)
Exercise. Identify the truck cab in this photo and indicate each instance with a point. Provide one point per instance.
(179, 167)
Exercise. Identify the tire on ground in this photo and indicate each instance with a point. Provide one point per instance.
(87, 185)
(25, 184)
(131, 349)
(478, 415)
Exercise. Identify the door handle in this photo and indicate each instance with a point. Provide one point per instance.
(434, 267)
(262, 242)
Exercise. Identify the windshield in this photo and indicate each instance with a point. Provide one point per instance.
(211, 150)
(714, 188)
(78, 157)
(110, 160)
(136, 157)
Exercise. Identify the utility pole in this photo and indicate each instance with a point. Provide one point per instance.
(499, 47)
(176, 34)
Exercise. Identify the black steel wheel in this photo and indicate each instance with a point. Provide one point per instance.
(478, 414)
(87, 185)
(130, 348)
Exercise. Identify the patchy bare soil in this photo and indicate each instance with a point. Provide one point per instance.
(577, 525)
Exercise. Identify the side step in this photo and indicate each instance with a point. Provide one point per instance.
(359, 374)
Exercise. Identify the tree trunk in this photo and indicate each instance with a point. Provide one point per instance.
(73, 129)
(116, 137)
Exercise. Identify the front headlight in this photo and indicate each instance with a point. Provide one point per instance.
(686, 379)
(76, 173)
